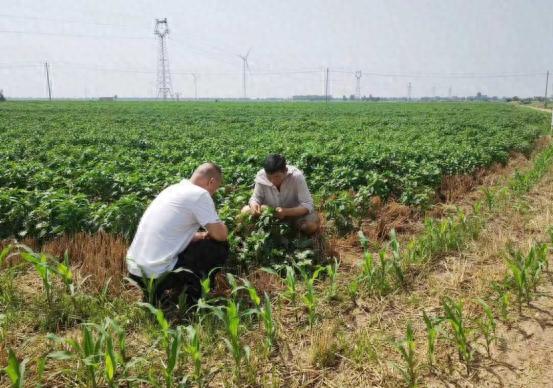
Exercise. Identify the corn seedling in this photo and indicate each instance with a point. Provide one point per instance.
(15, 370)
(353, 290)
(525, 271)
(252, 292)
(309, 298)
(231, 318)
(193, 349)
(490, 198)
(171, 341)
(502, 300)
(88, 350)
(40, 367)
(43, 269)
(290, 282)
(487, 325)
(269, 323)
(332, 272)
(432, 329)
(396, 255)
(407, 348)
(453, 313)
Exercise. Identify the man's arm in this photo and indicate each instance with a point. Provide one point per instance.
(256, 199)
(297, 211)
(217, 231)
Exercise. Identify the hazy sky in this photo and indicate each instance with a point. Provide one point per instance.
(100, 48)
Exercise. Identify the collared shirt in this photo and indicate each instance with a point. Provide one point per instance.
(293, 191)
(167, 227)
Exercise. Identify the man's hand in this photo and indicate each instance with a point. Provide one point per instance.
(255, 208)
(281, 213)
(198, 236)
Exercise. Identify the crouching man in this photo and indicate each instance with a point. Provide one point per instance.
(168, 236)
(284, 188)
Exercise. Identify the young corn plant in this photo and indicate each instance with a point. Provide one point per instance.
(526, 271)
(407, 348)
(309, 298)
(487, 325)
(231, 318)
(192, 347)
(453, 314)
(353, 290)
(396, 254)
(332, 273)
(43, 268)
(502, 300)
(15, 370)
(88, 351)
(432, 331)
(290, 282)
(269, 324)
(171, 340)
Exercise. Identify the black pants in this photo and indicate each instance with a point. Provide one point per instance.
(200, 257)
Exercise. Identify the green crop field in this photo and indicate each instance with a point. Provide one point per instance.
(72, 167)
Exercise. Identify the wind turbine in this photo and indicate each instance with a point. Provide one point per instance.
(245, 66)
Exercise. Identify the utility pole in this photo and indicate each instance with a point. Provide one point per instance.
(163, 74)
(449, 92)
(245, 65)
(546, 84)
(358, 75)
(47, 68)
(195, 76)
(326, 84)
(409, 91)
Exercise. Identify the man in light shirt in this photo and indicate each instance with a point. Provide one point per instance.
(168, 236)
(284, 188)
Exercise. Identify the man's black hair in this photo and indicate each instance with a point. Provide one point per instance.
(274, 163)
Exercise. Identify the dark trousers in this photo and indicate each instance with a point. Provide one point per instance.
(197, 260)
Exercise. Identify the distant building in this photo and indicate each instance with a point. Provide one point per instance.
(108, 98)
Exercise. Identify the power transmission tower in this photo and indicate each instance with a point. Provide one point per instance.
(546, 84)
(409, 91)
(327, 71)
(245, 66)
(48, 84)
(164, 88)
(449, 92)
(195, 77)
(358, 75)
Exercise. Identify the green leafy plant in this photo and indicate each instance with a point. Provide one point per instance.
(432, 330)
(407, 350)
(487, 325)
(453, 314)
(269, 323)
(332, 273)
(15, 370)
(193, 349)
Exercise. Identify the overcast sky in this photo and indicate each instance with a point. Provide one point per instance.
(101, 48)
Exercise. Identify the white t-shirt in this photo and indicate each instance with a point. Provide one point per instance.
(167, 227)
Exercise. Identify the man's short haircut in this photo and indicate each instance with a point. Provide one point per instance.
(275, 163)
(209, 170)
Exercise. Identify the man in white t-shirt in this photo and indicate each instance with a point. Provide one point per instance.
(168, 236)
